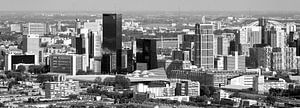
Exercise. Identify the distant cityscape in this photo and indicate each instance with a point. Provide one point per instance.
(149, 60)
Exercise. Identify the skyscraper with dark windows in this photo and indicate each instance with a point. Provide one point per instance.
(197, 58)
(112, 39)
(146, 52)
(204, 48)
(262, 22)
(298, 47)
(91, 37)
(79, 45)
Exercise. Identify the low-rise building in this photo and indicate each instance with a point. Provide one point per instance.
(61, 88)
(243, 80)
(262, 84)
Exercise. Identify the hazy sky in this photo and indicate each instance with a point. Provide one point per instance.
(135, 5)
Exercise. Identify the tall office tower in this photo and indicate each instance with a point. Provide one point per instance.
(223, 46)
(127, 61)
(204, 54)
(298, 47)
(290, 27)
(260, 56)
(290, 58)
(262, 22)
(95, 34)
(290, 40)
(234, 62)
(108, 63)
(35, 28)
(81, 43)
(146, 52)
(277, 37)
(188, 45)
(77, 25)
(91, 43)
(31, 45)
(278, 59)
(112, 38)
(197, 52)
(254, 35)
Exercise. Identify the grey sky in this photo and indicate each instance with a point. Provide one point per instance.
(132, 5)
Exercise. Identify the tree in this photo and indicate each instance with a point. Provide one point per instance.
(38, 69)
(109, 81)
(44, 78)
(204, 90)
(270, 99)
(275, 91)
(98, 80)
(21, 69)
(73, 96)
(122, 82)
(199, 99)
(212, 90)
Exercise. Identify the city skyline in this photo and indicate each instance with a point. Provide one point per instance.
(147, 5)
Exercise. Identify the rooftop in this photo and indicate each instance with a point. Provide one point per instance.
(158, 74)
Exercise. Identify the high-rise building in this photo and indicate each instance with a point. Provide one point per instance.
(298, 47)
(289, 57)
(234, 62)
(35, 28)
(112, 38)
(146, 52)
(278, 59)
(223, 46)
(108, 63)
(290, 40)
(188, 45)
(277, 37)
(262, 22)
(31, 45)
(255, 35)
(204, 50)
(127, 61)
(77, 25)
(260, 56)
(290, 27)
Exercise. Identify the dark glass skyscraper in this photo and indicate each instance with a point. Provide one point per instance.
(262, 22)
(79, 45)
(112, 38)
(204, 55)
(146, 52)
(197, 52)
(298, 47)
